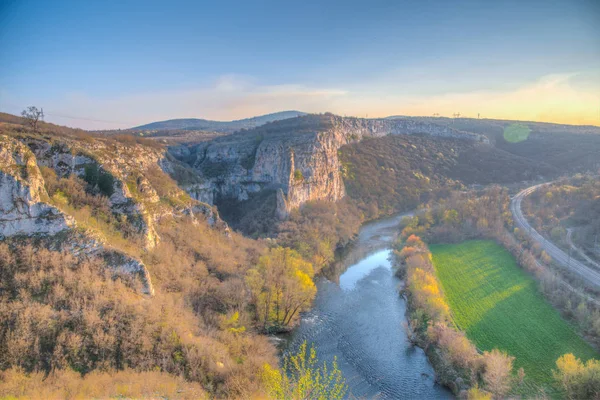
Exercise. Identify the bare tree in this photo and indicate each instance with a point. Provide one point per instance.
(498, 367)
(32, 116)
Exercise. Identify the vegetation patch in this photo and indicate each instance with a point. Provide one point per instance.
(498, 305)
(214, 169)
(97, 177)
(298, 176)
(397, 173)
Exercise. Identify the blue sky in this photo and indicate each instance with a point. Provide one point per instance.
(116, 64)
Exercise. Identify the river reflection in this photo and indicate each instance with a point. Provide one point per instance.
(357, 317)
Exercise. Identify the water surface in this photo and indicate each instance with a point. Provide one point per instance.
(358, 316)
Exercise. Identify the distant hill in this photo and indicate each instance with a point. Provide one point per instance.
(218, 126)
(572, 148)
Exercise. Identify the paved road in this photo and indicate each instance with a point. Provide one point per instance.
(589, 275)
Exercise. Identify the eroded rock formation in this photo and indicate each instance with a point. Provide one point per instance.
(296, 158)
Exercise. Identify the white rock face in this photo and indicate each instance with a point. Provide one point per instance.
(296, 158)
(22, 212)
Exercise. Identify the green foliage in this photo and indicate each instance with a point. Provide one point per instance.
(282, 287)
(477, 394)
(319, 228)
(410, 222)
(91, 211)
(249, 160)
(254, 217)
(398, 172)
(232, 324)
(576, 379)
(298, 176)
(451, 217)
(183, 174)
(97, 177)
(302, 377)
(498, 305)
(166, 188)
(214, 169)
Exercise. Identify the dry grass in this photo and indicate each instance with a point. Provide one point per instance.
(67, 384)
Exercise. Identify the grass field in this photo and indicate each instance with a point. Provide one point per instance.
(499, 306)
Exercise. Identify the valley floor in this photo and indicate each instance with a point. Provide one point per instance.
(498, 305)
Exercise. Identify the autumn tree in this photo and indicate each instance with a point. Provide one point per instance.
(497, 374)
(578, 380)
(32, 116)
(475, 393)
(281, 285)
(303, 377)
(459, 350)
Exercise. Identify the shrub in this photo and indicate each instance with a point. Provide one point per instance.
(97, 177)
(298, 176)
(303, 378)
(578, 380)
(497, 374)
(64, 384)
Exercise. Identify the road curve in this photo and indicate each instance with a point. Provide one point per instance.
(589, 275)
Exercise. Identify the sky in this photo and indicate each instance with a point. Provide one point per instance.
(117, 64)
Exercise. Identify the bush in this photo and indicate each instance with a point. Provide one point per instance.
(318, 228)
(576, 379)
(303, 378)
(97, 177)
(298, 176)
(65, 384)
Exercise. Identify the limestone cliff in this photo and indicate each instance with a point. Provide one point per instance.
(124, 173)
(131, 179)
(22, 211)
(297, 157)
(25, 211)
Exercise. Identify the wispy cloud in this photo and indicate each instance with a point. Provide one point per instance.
(229, 97)
(564, 98)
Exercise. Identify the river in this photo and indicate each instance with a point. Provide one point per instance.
(357, 317)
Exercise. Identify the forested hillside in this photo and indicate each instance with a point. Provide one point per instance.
(568, 205)
(571, 148)
(108, 267)
(396, 173)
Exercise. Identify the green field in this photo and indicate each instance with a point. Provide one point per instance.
(499, 306)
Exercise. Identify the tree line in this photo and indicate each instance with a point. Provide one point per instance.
(486, 214)
(456, 358)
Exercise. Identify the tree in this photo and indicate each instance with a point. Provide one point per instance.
(32, 116)
(477, 394)
(497, 375)
(457, 348)
(281, 286)
(451, 217)
(578, 380)
(303, 378)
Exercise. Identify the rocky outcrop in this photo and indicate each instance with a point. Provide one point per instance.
(22, 211)
(121, 172)
(297, 158)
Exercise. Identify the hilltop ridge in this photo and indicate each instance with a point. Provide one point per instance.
(218, 126)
